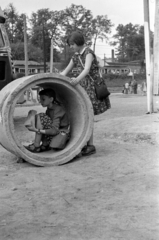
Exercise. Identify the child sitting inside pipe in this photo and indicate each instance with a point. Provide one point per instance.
(51, 128)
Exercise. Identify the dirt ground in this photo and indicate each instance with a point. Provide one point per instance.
(111, 195)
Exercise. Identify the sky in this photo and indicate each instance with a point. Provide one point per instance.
(118, 11)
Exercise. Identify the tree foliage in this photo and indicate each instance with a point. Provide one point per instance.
(77, 17)
(45, 25)
(101, 26)
(14, 24)
(34, 53)
(130, 42)
(57, 25)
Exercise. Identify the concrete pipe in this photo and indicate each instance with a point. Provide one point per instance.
(76, 102)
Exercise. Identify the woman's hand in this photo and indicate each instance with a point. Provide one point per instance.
(74, 81)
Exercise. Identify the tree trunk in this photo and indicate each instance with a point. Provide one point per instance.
(44, 53)
(94, 45)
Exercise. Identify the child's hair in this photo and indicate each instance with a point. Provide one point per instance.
(76, 37)
(49, 92)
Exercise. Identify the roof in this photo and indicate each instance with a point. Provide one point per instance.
(132, 63)
(22, 62)
(101, 62)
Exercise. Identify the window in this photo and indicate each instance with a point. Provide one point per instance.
(2, 70)
(21, 70)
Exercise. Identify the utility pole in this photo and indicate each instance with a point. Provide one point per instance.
(44, 53)
(51, 55)
(156, 50)
(147, 53)
(21, 99)
(25, 46)
(26, 57)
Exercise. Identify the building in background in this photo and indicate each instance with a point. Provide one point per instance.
(33, 67)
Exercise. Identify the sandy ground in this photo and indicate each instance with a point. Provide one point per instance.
(111, 195)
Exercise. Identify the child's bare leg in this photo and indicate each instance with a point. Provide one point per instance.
(30, 120)
(38, 136)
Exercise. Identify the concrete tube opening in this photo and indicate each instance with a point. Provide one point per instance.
(74, 99)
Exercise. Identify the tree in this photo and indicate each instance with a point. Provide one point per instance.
(46, 26)
(101, 26)
(34, 53)
(39, 31)
(130, 42)
(14, 24)
(77, 17)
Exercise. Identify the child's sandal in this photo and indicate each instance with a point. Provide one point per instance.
(44, 148)
(33, 149)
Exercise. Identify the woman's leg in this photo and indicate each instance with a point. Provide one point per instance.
(90, 148)
(90, 142)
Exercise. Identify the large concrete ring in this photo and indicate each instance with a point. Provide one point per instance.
(76, 102)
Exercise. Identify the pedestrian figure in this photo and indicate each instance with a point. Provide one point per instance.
(144, 87)
(123, 90)
(126, 87)
(134, 86)
(139, 88)
(130, 87)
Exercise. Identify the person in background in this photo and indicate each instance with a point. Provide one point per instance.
(126, 87)
(87, 71)
(123, 90)
(144, 88)
(130, 86)
(135, 86)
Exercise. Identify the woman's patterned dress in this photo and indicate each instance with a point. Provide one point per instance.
(99, 106)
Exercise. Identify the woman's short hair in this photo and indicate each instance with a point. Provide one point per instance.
(77, 38)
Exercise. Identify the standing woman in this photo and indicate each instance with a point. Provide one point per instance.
(84, 60)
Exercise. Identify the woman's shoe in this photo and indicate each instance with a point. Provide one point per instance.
(90, 149)
(84, 148)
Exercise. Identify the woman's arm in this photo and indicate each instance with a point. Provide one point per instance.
(68, 68)
(85, 72)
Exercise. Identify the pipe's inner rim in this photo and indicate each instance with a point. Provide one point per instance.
(81, 110)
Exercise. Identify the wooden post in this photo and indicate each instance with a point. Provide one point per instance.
(147, 51)
(156, 50)
(26, 53)
(51, 56)
(104, 60)
(21, 100)
(151, 83)
(25, 47)
(44, 53)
